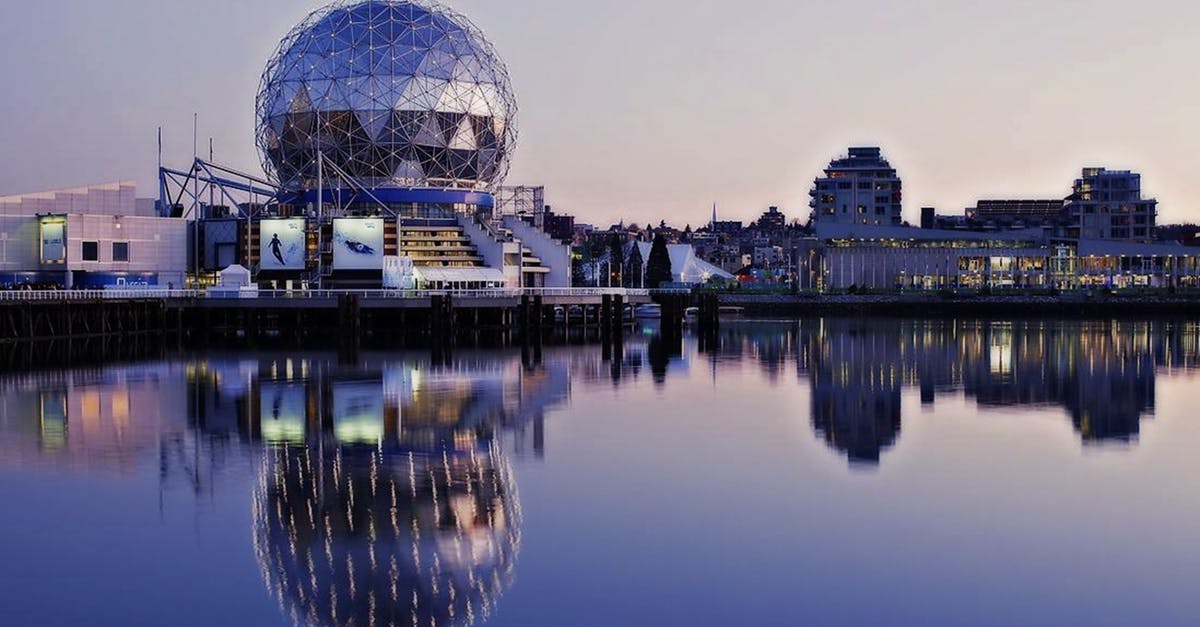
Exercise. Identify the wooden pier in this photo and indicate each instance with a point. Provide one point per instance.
(348, 319)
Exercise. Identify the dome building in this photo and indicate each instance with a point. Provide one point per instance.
(393, 93)
(386, 126)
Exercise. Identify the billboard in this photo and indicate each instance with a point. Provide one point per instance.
(282, 244)
(282, 412)
(54, 239)
(358, 244)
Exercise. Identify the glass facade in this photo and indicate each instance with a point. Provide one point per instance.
(395, 93)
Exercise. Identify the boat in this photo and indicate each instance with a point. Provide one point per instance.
(730, 311)
(649, 310)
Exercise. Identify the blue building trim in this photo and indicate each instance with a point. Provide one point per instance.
(400, 195)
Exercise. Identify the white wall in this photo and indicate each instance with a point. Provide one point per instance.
(493, 251)
(155, 244)
(554, 255)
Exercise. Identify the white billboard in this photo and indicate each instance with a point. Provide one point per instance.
(54, 239)
(282, 244)
(358, 244)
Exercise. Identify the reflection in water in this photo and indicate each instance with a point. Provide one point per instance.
(383, 489)
(1101, 372)
(384, 494)
(355, 536)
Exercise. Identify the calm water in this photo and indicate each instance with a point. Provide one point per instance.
(816, 472)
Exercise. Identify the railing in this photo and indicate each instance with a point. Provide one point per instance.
(154, 293)
(150, 293)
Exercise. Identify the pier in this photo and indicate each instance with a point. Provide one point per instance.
(345, 317)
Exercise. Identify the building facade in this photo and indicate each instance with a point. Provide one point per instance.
(90, 237)
(1108, 204)
(861, 188)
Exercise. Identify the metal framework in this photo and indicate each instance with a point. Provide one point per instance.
(211, 185)
(393, 93)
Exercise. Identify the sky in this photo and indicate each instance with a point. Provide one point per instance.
(654, 110)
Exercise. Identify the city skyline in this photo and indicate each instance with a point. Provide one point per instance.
(667, 123)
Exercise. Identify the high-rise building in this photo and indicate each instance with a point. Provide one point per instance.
(861, 188)
(772, 218)
(1108, 204)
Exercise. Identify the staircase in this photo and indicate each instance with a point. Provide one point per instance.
(437, 242)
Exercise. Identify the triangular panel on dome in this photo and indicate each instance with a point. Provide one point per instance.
(449, 124)
(359, 93)
(421, 94)
(464, 136)
(479, 103)
(438, 64)
(456, 98)
(318, 93)
(408, 59)
(431, 133)
(301, 102)
(485, 135)
(373, 122)
(409, 172)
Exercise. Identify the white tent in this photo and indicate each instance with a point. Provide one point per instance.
(686, 267)
(435, 277)
(234, 276)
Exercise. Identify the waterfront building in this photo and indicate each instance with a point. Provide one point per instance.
(386, 129)
(1102, 235)
(89, 237)
(1108, 204)
(861, 188)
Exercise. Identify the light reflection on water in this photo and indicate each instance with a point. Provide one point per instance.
(387, 490)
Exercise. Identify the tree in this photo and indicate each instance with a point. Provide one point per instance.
(658, 263)
(634, 268)
(616, 259)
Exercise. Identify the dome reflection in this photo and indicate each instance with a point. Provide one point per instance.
(349, 535)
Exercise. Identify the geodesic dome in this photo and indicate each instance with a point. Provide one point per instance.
(396, 93)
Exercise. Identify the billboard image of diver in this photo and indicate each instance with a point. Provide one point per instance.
(358, 244)
(281, 244)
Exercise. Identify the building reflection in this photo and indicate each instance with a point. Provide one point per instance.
(354, 535)
(856, 392)
(1102, 373)
(385, 494)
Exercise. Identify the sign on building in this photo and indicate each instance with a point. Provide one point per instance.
(358, 244)
(282, 244)
(54, 239)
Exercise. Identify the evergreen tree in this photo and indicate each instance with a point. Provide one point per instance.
(633, 268)
(616, 260)
(658, 263)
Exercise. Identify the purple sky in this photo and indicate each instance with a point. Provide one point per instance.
(655, 110)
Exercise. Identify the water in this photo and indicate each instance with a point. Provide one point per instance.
(829, 472)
